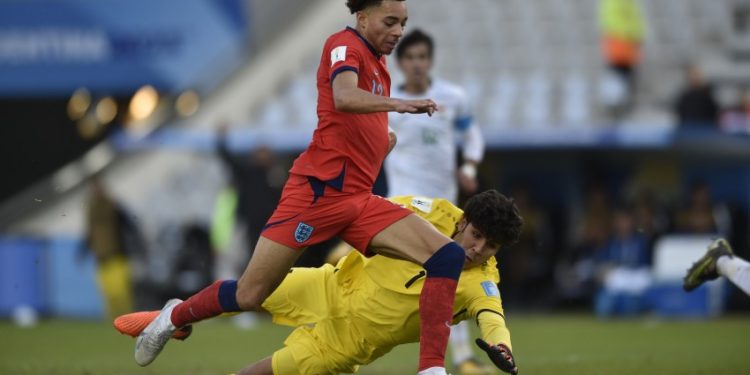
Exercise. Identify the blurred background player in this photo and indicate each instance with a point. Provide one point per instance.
(338, 330)
(105, 223)
(719, 261)
(424, 159)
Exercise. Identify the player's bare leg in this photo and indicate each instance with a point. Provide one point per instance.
(269, 265)
(414, 239)
(411, 238)
(262, 367)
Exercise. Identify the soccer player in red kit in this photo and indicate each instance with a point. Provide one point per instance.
(328, 194)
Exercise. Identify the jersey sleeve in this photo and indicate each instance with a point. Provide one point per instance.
(473, 144)
(485, 305)
(464, 116)
(471, 137)
(344, 56)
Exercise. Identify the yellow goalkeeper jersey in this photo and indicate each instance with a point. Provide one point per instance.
(390, 307)
(357, 311)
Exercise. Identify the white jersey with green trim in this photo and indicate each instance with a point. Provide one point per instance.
(424, 159)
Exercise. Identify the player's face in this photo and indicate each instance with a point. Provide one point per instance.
(384, 25)
(416, 62)
(478, 248)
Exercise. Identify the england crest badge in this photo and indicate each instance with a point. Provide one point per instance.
(303, 232)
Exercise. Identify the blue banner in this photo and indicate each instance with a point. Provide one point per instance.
(50, 47)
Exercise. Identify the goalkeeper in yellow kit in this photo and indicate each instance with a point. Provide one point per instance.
(353, 313)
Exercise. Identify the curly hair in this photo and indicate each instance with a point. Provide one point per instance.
(496, 216)
(357, 5)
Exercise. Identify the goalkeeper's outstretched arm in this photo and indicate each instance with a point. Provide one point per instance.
(495, 340)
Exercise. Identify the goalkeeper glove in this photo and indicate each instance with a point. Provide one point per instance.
(500, 355)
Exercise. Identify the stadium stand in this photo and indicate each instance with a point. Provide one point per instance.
(536, 63)
(527, 64)
(533, 68)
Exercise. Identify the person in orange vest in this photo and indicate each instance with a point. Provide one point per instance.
(622, 27)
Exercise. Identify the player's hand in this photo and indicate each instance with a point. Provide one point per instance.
(468, 184)
(416, 106)
(500, 355)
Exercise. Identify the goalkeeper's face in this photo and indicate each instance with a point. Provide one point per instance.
(477, 246)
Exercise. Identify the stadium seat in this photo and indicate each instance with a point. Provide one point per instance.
(507, 39)
(673, 255)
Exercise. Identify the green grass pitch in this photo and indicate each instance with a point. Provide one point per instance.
(543, 345)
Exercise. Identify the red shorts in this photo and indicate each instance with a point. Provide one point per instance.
(311, 212)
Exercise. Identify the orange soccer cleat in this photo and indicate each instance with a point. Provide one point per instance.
(134, 323)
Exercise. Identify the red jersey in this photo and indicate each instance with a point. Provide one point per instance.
(347, 149)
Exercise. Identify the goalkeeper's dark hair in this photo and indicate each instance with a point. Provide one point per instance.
(496, 216)
(357, 5)
(413, 38)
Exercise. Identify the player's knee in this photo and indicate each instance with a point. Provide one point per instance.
(448, 261)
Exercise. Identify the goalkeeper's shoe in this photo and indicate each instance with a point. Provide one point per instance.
(705, 268)
(473, 366)
(134, 323)
(154, 337)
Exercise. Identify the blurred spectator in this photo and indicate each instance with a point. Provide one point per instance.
(575, 274)
(104, 239)
(737, 120)
(255, 177)
(622, 268)
(622, 30)
(194, 264)
(696, 105)
(651, 220)
(701, 215)
(597, 218)
(525, 265)
(225, 241)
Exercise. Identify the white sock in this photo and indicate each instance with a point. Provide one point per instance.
(432, 371)
(737, 270)
(459, 342)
